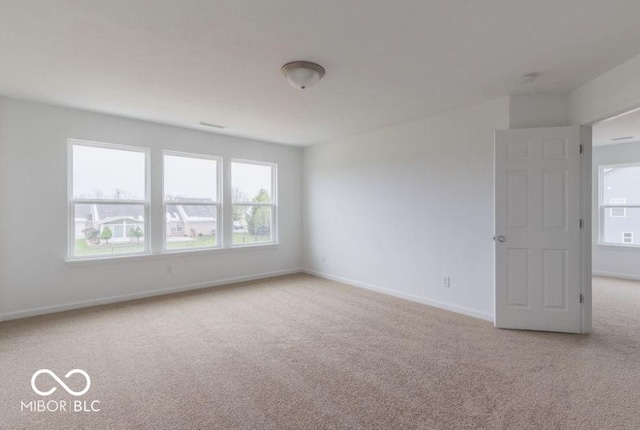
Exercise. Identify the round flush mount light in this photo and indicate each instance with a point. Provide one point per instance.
(302, 74)
(528, 78)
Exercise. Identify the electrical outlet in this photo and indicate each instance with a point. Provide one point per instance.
(168, 270)
(446, 282)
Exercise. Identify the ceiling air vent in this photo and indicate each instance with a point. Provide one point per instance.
(208, 124)
(615, 139)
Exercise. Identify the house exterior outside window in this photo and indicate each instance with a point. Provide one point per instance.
(619, 205)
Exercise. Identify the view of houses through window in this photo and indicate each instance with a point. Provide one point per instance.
(109, 201)
(191, 203)
(253, 202)
(620, 205)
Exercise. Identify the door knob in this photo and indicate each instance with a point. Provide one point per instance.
(500, 238)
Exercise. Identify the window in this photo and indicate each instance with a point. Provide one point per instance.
(108, 200)
(619, 202)
(617, 212)
(191, 201)
(253, 195)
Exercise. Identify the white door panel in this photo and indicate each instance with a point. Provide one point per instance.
(538, 219)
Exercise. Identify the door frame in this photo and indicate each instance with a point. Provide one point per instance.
(586, 183)
(585, 236)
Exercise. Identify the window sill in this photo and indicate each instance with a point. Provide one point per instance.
(80, 262)
(618, 247)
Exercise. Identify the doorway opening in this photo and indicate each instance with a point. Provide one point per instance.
(615, 215)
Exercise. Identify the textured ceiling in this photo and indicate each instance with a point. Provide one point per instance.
(182, 62)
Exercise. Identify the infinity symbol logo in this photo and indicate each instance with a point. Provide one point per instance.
(60, 382)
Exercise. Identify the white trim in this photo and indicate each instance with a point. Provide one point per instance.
(254, 204)
(586, 207)
(108, 257)
(136, 258)
(134, 296)
(617, 165)
(253, 245)
(84, 201)
(616, 275)
(107, 145)
(261, 163)
(618, 247)
(434, 303)
(72, 201)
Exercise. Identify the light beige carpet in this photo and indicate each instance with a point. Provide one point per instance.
(300, 352)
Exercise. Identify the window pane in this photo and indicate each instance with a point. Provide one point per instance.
(622, 230)
(251, 183)
(621, 185)
(251, 224)
(191, 226)
(618, 212)
(190, 178)
(101, 173)
(106, 229)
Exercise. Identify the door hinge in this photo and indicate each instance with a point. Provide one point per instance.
(581, 149)
(581, 298)
(581, 223)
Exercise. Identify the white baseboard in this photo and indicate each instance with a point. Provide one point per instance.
(134, 296)
(616, 275)
(406, 296)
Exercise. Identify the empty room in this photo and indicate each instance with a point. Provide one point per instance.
(319, 215)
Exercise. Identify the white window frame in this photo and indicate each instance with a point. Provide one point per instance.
(72, 202)
(624, 239)
(617, 203)
(273, 204)
(604, 206)
(218, 204)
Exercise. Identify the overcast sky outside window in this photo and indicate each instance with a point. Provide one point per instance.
(109, 173)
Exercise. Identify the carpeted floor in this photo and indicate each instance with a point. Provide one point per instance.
(299, 352)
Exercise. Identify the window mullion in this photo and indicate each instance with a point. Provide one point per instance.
(253, 204)
(108, 202)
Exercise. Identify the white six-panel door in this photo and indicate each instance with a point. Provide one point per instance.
(537, 229)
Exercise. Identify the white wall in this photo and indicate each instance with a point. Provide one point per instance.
(388, 209)
(34, 277)
(609, 260)
(538, 110)
(402, 207)
(613, 92)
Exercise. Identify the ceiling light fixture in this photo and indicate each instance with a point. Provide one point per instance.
(302, 74)
(528, 78)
